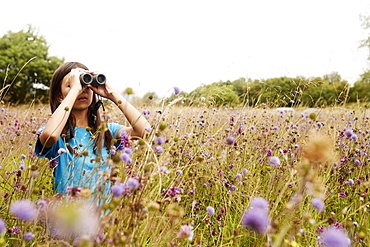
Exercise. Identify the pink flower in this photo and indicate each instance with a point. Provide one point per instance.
(186, 232)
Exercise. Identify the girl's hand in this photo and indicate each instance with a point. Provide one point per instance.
(104, 90)
(73, 79)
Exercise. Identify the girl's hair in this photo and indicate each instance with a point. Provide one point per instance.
(55, 95)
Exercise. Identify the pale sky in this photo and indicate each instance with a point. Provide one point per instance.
(156, 45)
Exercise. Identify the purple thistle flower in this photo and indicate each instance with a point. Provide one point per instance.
(334, 237)
(256, 220)
(28, 236)
(123, 134)
(259, 203)
(117, 189)
(210, 211)
(132, 184)
(24, 210)
(159, 150)
(2, 226)
(176, 90)
(318, 204)
(342, 194)
(274, 161)
(159, 140)
(15, 230)
(146, 112)
(348, 133)
(42, 204)
(230, 140)
(53, 163)
(128, 151)
(238, 176)
(126, 158)
(21, 165)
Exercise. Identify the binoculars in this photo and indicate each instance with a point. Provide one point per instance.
(93, 80)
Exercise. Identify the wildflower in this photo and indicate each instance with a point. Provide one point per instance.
(159, 150)
(128, 151)
(126, 158)
(53, 163)
(357, 162)
(179, 172)
(75, 220)
(146, 112)
(159, 140)
(256, 220)
(202, 99)
(15, 230)
(113, 150)
(319, 149)
(318, 204)
(334, 237)
(210, 211)
(23, 156)
(61, 151)
(74, 192)
(343, 195)
(186, 232)
(117, 189)
(24, 210)
(230, 140)
(274, 161)
(132, 183)
(42, 204)
(348, 133)
(176, 90)
(28, 236)
(2, 226)
(259, 202)
(350, 182)
(21, 165)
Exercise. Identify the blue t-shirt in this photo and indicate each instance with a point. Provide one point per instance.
(82, 169)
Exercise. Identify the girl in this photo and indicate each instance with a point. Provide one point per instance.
(74, 139)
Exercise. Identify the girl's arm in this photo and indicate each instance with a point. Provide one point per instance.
(57, 121)
(137, 121)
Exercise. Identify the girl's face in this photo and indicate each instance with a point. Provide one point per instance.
(84, 99)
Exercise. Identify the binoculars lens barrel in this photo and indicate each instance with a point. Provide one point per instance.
(94, 80)
(100, 79)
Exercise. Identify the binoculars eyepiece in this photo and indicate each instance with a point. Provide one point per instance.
(93, 80)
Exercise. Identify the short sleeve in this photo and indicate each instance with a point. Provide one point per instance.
(114, 128)
(42, 151)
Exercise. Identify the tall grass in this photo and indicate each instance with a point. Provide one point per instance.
(208, 157)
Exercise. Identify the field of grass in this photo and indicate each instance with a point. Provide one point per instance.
(203, 177)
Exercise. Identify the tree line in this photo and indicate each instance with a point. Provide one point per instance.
(329, 90)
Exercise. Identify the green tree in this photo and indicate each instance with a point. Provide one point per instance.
(360, 92)
(25, 63)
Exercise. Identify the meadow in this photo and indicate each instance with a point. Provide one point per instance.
(202, 177)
